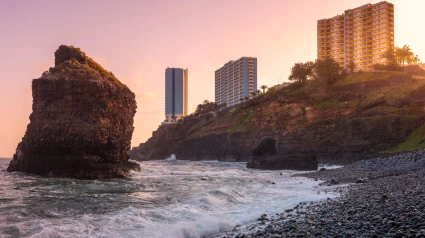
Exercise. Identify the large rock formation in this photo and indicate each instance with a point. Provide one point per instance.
(357, 118)
(82, 122)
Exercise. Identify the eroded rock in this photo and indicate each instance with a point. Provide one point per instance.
(82, 122)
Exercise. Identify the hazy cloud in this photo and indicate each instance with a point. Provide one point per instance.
(44, 66)
(136, 79)
(100, 60)
(146, 96)
(151, 112)
(27, 90)
(209, 65)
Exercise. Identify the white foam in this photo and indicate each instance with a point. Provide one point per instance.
(171, 158)
(180, 199)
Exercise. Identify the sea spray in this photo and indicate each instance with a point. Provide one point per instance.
(171, 158)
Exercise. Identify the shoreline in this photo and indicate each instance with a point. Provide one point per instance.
(388, 201)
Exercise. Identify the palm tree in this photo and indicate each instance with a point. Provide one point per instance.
(403, 54)
(254, 94)
(246, 99)
(416, 59)
(242, 99)
(206, 102)
(264, 87)
(259, 92)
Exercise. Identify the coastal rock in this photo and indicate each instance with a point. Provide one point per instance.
(291, 162)
(264, 156)
(267, 147)
(82, 122)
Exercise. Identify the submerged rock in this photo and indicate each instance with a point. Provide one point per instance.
(82, 122)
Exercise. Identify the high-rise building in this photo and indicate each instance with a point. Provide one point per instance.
(235, 80)
(362, 34)
(176, 91)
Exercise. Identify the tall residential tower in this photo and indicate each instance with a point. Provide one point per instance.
(176, 92)
(362, 34)
(236, 80)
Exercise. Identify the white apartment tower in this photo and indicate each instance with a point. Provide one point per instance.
(362, 34)
(235, 80)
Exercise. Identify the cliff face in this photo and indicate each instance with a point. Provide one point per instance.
(82, 122)
(357, 118)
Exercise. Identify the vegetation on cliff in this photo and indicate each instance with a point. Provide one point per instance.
(326, 70)
(360, 112)
(396, 58)
(71, 62)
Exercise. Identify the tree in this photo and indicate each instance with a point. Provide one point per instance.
(242, 99)
(254, 94)
(259, 92)
(327, 69)
(404, 54)
(264, 87)
(396, 57)
(390, 56)
(206, 107)
(246, 99)
(301, 72)
(416, 59)
(351, 66)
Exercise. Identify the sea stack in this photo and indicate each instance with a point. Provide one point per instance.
(81, 124)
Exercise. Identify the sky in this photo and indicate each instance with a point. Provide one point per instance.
(137, 40)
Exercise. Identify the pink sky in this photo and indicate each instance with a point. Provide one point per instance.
(137, 40)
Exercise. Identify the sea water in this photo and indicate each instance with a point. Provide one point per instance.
(170, 198)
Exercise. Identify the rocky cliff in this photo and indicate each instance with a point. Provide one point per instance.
(82, 122)
(358, 117)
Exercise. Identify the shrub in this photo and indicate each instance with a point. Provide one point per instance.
(71, 61)
(389, 67)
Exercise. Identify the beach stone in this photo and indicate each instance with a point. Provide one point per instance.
(333, 181)
(384, 199)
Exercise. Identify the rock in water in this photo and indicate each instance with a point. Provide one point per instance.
(82, 122)
(265, 156)
(292, 162)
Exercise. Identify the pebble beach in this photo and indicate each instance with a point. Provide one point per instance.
(381, 197)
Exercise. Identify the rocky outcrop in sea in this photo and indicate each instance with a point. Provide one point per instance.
(81, 124)
(265, 157)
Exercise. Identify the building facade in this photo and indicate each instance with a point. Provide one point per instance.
(235, 80)
(362, 34)
(176, 92)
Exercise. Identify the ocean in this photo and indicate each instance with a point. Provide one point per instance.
(169, 198)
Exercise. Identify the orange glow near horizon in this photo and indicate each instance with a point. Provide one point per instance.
(139, 39)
